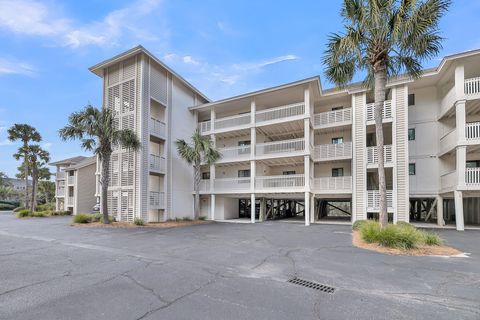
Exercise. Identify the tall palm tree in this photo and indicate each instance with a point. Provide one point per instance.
(24, 133)
(36, 159)
(96, 131)
(200, 151)
(383, 38)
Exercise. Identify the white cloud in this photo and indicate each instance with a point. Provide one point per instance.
(8, 66)
(226, 29)
(47, 145)
(5, 142)
(190, 60)
(262, 64)
(31, 17)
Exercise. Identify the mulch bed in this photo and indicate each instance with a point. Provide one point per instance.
(442, 250)
(128, 225)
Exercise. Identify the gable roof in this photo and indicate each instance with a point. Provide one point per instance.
(68, 161)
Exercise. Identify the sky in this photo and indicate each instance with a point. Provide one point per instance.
(222, 47)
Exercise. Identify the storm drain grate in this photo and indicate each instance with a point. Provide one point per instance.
(312, 285)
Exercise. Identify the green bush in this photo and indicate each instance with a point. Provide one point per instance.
(18, 209)
(358, 224)
(46, 207)
(97, 217)
(139, 221)
(23, 213)
(60, 213)
(433, 239)
(39, 214)
(202, 218)
(5, 206)
(187, 219)
(82, 218)
(12, 203)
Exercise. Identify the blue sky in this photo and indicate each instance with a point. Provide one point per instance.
(223, 48)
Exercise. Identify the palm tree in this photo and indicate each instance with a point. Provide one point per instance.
(36, 159)
(383, 38)
(96, 130)
(24, 133)
(200, 151)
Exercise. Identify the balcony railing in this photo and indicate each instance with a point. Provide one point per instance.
(71, 180)
(448, 100)
(60, 192)
(448, 180)
(157, 200)
(157, 163)
(232, 121)
(204, 185)
(231, 184)
(332, 118)
(280, 112)
(332, 151)
(472, 86)
(472, 176)
(472, 131)
(205, 126)
(448, 141)
(373, 199)
(70, 201)
(61, 175)
(372, 154)
(157, 127)
(235, 153)
(286, 146)
(280, 182)
(332, 184)
(386, 112)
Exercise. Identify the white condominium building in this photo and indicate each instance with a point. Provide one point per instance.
(297, 150)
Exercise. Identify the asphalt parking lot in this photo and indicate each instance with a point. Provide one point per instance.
(50, 270)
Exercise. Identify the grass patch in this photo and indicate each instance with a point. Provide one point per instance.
(82, 218)
(357, 224)
(400, 236)
(138, 221)
(46, 207)
(23, 213)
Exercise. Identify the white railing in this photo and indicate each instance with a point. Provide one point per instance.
(70, 201)
(448, 100)
(71, 180)
(472, 130)
(157, 127)
(61, 175)
(234, 153)
(386, 112)
(204, 185)
(332, 151)
(286, 146)
(157, 163)
(229, 184)
(280, 182)
(232, 121)
(157, 200)
(332, 184)
(472, 176)
(331, 118)
(448, 180)
(61, 192)
(448, 141)
(204, 126)
(373, 199)
(372, 154)
(472, 86)
(280, 112)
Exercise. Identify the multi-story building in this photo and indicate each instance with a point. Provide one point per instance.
(297, 150)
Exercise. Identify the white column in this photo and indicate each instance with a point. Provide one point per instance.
(460, 121)
(252, 206)
(212, 120)
(307, 208)
(253, 143)
(461, 161)
(459, 210)
(312, 208)
(212, 207)
(440, 220)
(460, 82)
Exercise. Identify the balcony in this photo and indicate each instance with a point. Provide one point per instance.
(158, 128)
(386, 112)
(332, 118)
(60, 192)
(448, 101)
(472, 87)
(70, 201)
(373, 200)
(472, 178)
(448, 141)
(332, 184)
(71, 180)
(226, 123)
(230, 185)
(280, 113)
(328, 152)
(61, 175)
(157, 163)
(372, 155)
(287, 147)
(157, 200)
(205, 126)
(204, 186)
(295, 181)
(472, 132)
(239, 153)
(448, 181)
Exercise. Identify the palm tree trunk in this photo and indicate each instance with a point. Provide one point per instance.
(380, 89)
(105, 180)
(25, 169)
(196, 206)
(34, 186)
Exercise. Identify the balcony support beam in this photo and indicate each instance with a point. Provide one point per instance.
(461, 160)
(252, 207)
(460, 121)
(306, 213)
(440, 220)
(458, 196)
(212, 206)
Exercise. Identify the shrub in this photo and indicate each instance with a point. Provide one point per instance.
(97, 217)
(202, 218)
(82, 218)
(39, 214)
(139, 221)
(23, 213)
(18, 209)
(432, 239)
(187, 219)
(60, 213)
(358, 224)
(6, 206)
(46, 207)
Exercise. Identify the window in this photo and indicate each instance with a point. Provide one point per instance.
(338, 140)
(411, 169)
(337, 172)
(205, 175)
(473, 164)
(411, 134)
(411, 99)
(337, 108)
(244, 173)
(288, 173)
(245, 143)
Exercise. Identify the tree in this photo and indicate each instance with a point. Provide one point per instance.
(24, 133)
(96, 130)
(46, 190)
(3, 178)
(200, 151)
(383, 38)
(36, 158)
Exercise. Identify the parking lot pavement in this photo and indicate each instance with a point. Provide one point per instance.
(50, 270)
